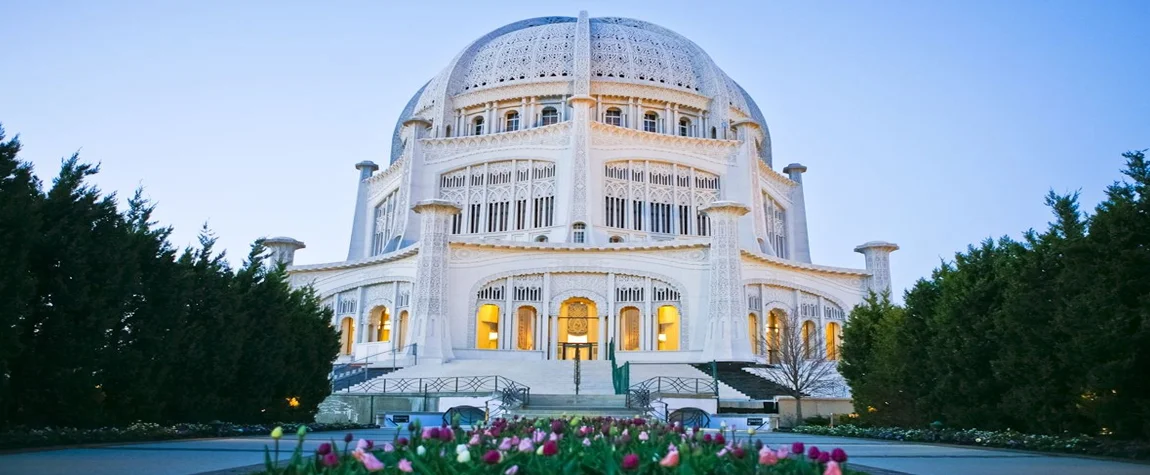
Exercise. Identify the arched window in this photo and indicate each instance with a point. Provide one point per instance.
(550, 116)
(650, 121)
(629, 328)
(487, 327)
(579, 233)
(753, 332)
(477, 126)
(512, 121)
(541, 238)
(382, 322)
(525, 328)
(614, 117)
(684, 127)
(401, 337)
(809, 335)
(668, 336)
(448, 132)
(834, 340)
(347, 335)
(615, 239)
(714, 133)
(774, 335)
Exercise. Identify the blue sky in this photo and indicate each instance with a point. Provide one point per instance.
(933, 124)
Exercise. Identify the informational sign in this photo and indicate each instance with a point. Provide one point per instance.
(754, 421)
(401, 418)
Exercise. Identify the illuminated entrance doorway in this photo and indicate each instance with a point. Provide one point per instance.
(578, 330)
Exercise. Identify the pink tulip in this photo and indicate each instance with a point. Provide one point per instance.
(525, 445)
(474, 440)
(505, 445)
(643, 436)
(833, 469)
(782, 453)
(539, 436)
(767, 457)
(514, 440)
(554, 437)
(722, 453)
(514, 468)
(586, 442)
(671, 460)
(404, 465)
(371, 463)
(387, 447)
(330, 460)
(630, 462)
(362, 445)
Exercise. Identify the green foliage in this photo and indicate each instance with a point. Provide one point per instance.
(103, 322)
(593, 446)
(23, 437)
(1007, 439)
(1047, 334)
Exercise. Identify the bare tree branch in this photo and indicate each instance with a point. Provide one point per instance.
(796, 358)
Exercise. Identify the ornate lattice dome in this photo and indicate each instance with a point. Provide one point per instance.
(542, 51)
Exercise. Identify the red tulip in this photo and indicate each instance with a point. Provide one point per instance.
(550, 448)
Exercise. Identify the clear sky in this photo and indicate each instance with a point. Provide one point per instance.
(932, 124)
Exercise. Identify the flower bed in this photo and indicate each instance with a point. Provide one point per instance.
(1008, 439)
(559, 446)
(143, 431)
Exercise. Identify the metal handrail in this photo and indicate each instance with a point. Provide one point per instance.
(678, 385)
(512, 391)
(344, 368)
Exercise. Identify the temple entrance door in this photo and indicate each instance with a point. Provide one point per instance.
(578, 329)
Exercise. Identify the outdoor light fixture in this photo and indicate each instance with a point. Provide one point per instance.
(662, 337)
(493, 336)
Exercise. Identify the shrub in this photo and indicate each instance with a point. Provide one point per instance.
(145, 431)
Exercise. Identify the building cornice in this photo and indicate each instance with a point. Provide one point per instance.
(804, 266)
(766, 172)
(621, 88)
(719, 151)
(542, 87)
(380, 259)
(567, 247)
(443, 149)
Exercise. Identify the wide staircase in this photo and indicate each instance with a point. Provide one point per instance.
(553, 405)
(735, 375)
(543, 377)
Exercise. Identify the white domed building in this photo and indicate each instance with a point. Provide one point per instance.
(565, 184)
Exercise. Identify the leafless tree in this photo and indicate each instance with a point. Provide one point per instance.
(796, 358)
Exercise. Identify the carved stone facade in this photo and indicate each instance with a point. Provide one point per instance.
(572, 180)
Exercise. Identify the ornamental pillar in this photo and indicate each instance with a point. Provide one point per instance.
(282, 249)
(726, 338)
(429, 311)
(877, 254)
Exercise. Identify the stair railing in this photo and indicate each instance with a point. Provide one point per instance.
(354, 368)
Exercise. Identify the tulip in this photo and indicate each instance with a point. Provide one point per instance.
(782, 453)
(387, 447)
(505, 444)
(723, 425)
(492, 457)
(833, 469)
(738, 452)
(463, 457)
(371, 463)
(722, 453)
(586, 442)
(630, 462)
(625, 438)
(525, 445)
(404, 465)
(446, 434)
(539, 451)
(798, 447)
(330, 460)
(301, 432)
(474, 440)
(767, 457)
(362, 445)
(431, 433)
(670, 460)
(514, 468)
(421, 451)
(550, 448)
(347, 438)
(402, 441)
(839, 455)
(813, 453)
(277, 433)
(324, 449)
(750, 431)
(557, 426)
(707, 438)
(719, 439)
(758, 445)
(643, 436)
(824, 457)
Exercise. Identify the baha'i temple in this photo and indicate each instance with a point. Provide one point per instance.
(579, 188)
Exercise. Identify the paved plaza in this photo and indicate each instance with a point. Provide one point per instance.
(237, 455)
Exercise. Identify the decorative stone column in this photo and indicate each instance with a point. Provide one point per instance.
(361, 222)
(283, 249)
(800, 242)
(877, 254)
(429, 311)
(726, 338)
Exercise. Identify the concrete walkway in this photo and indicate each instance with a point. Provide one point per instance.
(216, 455)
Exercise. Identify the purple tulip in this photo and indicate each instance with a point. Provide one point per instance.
(330, 460)
(557, 426)
(798, 448)
(839, 455)
(492, 457)
(824, 457)
(324, 449)
(813, 453)
(630, 462)
(348, 438)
